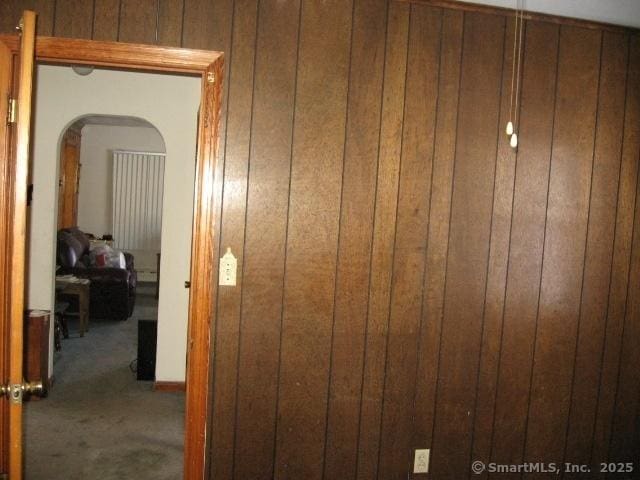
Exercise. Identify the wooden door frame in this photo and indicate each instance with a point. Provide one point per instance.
(208, 65)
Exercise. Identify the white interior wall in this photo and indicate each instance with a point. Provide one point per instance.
(170, 103)
(619, 12)
(96, 180)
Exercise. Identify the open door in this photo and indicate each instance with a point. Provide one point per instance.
(16, 84)
(69, 179)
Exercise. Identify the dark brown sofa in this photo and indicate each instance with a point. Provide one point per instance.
(112, 290)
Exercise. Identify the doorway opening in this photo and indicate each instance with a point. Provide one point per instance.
(133, 175)
(17, 54)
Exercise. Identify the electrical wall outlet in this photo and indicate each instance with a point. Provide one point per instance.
(421, 461)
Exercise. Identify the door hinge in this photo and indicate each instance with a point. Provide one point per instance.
(11, 112)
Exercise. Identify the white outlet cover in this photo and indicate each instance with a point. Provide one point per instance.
(421, 461)
(228, 269)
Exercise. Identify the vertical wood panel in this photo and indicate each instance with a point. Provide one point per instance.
(208, 24)
(597, 273)
(73, 19)
(356, 225)
(314, 209)
(232, 236)
(625, 435)
(170, 17)
(264, 250)
(106, 20)
(618, 290)
(498, 263)
(438, 232)
(383, 239)
(10, 11)
(564, 249)
(138, 21)
(526, 243)
(410, 239)
(471, 205)
(45, 10)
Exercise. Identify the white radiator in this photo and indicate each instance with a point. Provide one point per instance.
(138, 179)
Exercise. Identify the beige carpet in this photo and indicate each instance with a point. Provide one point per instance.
(98, 421)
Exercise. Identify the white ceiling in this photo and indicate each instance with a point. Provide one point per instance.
(620, 12)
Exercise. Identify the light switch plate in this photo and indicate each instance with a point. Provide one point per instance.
(228, 269)
(421, 461)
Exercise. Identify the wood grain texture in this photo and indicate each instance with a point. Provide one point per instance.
(618, 288)
(265, 238)
(314, 212)
(438, 233)
(11, 10)
(409, 243)
(232, 229)
(119, 55)
(625, 434)
(170, 22)
(501, 220)
(469, 232)
(17, 216)
(169, 386)
(73, 19)
(370, 236)
(564, 248)
(208, 24)
(379, 284)
(106, 20)
(204, 268)
(356, 226)
(6, 193)
(599, 248)
(45, 10)
(138, 21)
(526, 244)
(69, 179)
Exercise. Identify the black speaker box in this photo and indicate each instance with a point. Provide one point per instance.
(147, 336)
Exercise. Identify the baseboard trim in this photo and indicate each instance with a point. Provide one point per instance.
(169, 387)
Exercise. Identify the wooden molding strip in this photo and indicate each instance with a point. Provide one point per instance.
(121, 55)
(528, 15)
(169, 386)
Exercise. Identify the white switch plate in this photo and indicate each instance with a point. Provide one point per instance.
(228, 269)
(421, 461)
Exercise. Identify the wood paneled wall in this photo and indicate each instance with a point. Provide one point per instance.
(406, 279)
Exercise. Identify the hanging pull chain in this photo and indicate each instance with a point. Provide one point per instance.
(512, 126)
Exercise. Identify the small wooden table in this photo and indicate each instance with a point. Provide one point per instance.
(60, 324)
(66, 285)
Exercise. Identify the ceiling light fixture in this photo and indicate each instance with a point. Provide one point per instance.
(82, 70)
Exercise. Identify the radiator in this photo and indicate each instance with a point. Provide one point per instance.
(138, 179)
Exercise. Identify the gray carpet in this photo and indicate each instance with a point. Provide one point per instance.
(98, 421)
